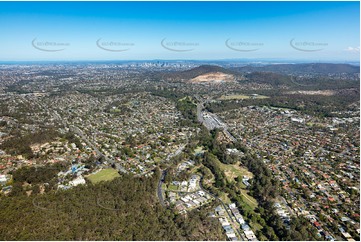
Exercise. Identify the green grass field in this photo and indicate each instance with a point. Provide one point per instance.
(233, 171)
(256, 226)
(240, 97)
(224, 197)
(157, 159)
(173, 187)
(187, 98)
(250, 201)
(103, 175)
(164, 186)
(198, 150)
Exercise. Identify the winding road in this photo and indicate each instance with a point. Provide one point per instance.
(159, 188)
(161, 199)
(225, 208)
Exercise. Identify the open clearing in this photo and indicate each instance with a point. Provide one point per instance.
(232, 171)
(318, 92)
(173, 187)
(241, 96)
(157, 159)
(249, 200)
(103, 175)
(224, 197)
(198, 150)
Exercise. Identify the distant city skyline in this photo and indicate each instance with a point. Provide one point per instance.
(96, 31)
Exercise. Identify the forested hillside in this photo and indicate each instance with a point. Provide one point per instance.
(124, 209)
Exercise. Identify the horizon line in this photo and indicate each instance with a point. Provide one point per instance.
(195, 60)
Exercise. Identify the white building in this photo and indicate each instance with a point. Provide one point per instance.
(77, 181)
(3, 179)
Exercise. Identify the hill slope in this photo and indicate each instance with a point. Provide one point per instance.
(123, 209)
(218, 71)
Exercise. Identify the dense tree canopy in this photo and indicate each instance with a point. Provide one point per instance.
(124, 209)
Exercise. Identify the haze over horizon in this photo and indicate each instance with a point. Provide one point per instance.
(106, 31)
(180, 121)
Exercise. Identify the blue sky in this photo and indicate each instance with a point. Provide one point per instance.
(320, 31)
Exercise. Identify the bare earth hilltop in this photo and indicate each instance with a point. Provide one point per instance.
(213, 77)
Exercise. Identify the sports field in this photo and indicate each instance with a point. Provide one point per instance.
(103, 175)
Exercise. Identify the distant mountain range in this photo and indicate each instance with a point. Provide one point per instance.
(275, 75)
(309, 68)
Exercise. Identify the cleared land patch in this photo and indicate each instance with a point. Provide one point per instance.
(213, 77)
(198, 150)
(233, 171)
(318, 92)
(241, 96)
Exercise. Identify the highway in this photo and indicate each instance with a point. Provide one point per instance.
(199, 112)
(201, 120)
(231, 137)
